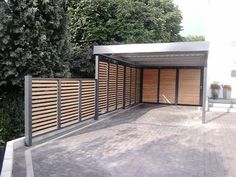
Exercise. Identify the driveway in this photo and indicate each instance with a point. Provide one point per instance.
(145, 141)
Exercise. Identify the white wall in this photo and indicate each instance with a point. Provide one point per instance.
(221, 34)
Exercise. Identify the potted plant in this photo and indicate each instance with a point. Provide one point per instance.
(215, 89)
(227, 91)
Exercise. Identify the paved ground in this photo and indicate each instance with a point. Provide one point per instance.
(146, 141)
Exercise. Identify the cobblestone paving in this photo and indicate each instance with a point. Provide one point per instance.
(146, 141)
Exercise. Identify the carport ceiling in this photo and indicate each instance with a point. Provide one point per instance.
(158, 54)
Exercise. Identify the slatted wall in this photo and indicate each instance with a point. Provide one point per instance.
(189, 86)
(127, 86)
(44, 105)
(138, 85)
(120, 85)
(103, 85)
(112, 87)
(117, 86)
(70, 98)
(167, 86)
(87, 99)
(150, 85)
(57, 103)
(133, 82)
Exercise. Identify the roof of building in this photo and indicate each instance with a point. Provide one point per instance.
(158, 54)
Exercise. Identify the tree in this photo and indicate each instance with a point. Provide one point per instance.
(96, 22)
(33, 40)
(190, 38)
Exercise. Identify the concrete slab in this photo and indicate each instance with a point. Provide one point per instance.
(146, 141)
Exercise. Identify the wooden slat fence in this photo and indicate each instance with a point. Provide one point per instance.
(51, 104)
(119, 86)
(54, 103)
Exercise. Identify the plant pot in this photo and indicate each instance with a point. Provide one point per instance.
(226, 93)
(215, 93)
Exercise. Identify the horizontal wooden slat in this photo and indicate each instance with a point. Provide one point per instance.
(44, 93)
(44, 115)
(45, 128)
(49, 122)
(35, 121)
(34, 113)
(44, 96)
(34, 81)
(69, 110)
(42, 89)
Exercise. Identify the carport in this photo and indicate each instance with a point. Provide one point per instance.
(161, 73)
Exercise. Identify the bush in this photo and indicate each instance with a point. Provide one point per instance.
(11, 117)
(215, 86)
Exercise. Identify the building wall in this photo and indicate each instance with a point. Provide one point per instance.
(222, 37)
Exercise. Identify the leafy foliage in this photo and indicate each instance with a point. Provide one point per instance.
(121, 21)
(33, 40)
(190, 38)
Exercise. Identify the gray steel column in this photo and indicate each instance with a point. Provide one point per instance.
(96, 87)
(28, 110)
(204, 95)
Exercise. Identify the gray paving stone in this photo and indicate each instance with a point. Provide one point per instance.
(146, 141)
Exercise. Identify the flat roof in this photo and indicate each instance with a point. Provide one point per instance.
(158, 54)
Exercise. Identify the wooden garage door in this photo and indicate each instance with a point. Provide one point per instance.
(150, 85)
(189, 86)
(167, 86)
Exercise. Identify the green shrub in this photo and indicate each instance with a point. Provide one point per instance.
(11, 117)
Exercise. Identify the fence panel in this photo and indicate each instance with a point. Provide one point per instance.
(87, 99)
(44, 105)
(70, 98)
(112, 87)
(127, 86)
(120, 85)
(52, 104)
(103, 83)
(138, 85)
(133, 80)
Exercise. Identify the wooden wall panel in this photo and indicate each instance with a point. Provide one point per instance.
(138, 82)
(127, 86)
(112, 87)
(167, 86)
(189, 86)
(103, 78)
(133, 80)
(150, 85)
(120, 85)
(87, 99)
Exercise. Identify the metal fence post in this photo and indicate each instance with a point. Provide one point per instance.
(96, 87)
(28, 110)
(58, 104)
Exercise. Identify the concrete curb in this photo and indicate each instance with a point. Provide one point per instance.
(8, 160)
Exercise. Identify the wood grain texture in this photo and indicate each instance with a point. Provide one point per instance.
(189, 86)
(133, 81)
(167, 86)
(112, 87)
(103, 82)
(150, 85)
(120, 85)
(138, 82)
(127, 86)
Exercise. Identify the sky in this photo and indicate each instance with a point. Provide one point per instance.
(194, 13)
